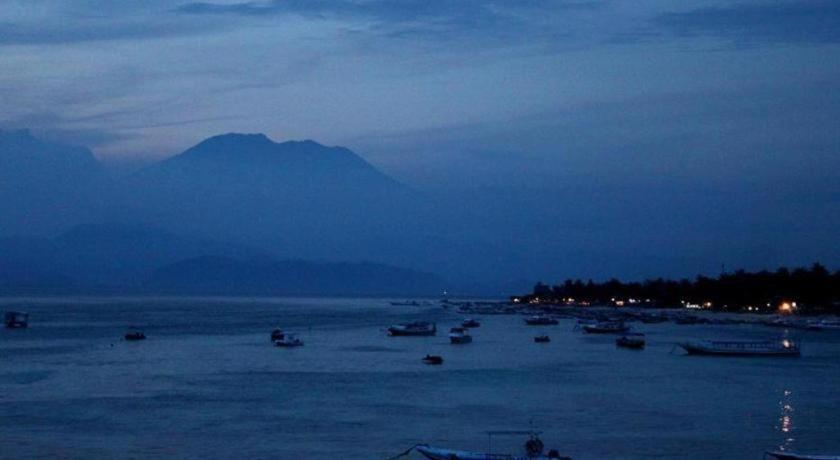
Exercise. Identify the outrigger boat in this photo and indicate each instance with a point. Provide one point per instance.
(540, 320)
(784, 347)
(459, 335)
(16, 319)
(779, 455)
(533, 451)
(417, 328)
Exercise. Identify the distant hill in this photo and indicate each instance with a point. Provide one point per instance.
(45, 187)
(228, 276)
(140, 259)
(101, 256)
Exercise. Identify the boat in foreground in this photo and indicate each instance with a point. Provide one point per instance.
(533, 451)
(779, 455)
(417, 328)
(784, 347)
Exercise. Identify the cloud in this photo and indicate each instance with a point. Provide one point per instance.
(793, 22)
(413, 18)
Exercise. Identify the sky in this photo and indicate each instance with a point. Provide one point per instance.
(644, 105)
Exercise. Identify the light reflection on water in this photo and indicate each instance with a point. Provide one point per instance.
(785, 425)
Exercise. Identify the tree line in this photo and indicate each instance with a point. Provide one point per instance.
(806, 290)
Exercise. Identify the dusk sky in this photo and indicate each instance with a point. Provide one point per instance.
(676, 100)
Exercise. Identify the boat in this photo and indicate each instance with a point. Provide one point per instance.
(16, 319)
(825, 324)
(416, 328)
(780, 455)
(470, 323)
(784, 347)
(687, 319)
(541, 320)
(407, 303)
(631, 340)
(534, 450)
(277, 334)
(459, 335)
(542, 339)
(652, 318)
(433, 359)
(606, 327)
(134, 335)
(287, 341)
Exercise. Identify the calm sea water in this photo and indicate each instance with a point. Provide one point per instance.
(208, 383)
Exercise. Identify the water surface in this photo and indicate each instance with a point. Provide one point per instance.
(207, 383)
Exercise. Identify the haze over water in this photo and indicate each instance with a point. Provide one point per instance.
(208, 383)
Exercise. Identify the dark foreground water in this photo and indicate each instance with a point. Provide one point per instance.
(207, 383)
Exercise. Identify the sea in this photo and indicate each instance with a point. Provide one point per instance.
(208, 383)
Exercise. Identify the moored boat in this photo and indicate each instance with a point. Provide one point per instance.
(652, 318)
(542, 339)
(541, 320)
(784, 347)
(433, 359)
(606, 327)
(16, 319)
(458, 335)
(632, 340)
(134, 335)
(416, 328)
(288, 341)
(470, 323)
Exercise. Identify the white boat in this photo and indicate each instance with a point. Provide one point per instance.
(779, 455)
(826, 324)
(606, 327)
(784, 347)
(417, 328)
(533, 451)
(540, 320)
(458, 335)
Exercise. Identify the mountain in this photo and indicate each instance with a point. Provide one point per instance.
(295, 200)
(45, 187)
(300, 199)
(228, 276)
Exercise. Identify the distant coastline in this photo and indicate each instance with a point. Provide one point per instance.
(812, 290)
